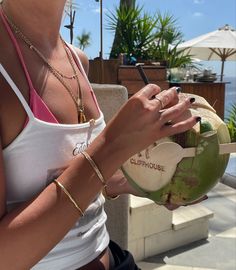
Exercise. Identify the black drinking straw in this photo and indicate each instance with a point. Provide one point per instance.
(142, 74)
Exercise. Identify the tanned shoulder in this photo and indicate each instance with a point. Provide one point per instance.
(83, 58)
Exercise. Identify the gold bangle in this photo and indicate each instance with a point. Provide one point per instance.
(59, 184)
(95, 167)
(107, 197)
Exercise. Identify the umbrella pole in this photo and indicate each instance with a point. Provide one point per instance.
(222, 70)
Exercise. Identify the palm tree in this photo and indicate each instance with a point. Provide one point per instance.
(84, 40)
(134, 31)
(146, 37)
(168, 36)
(116, 41)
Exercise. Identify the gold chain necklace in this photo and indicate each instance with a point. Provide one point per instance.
(32, 47)
(77, 101)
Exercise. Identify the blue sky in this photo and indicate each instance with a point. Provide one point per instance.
(194, 18)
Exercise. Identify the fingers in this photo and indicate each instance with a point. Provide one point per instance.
(161, 99)
(167, 98)
(176, 111)
(171, 207)
(149, 91)
(178, 119)
(167, 112)
(169, 130)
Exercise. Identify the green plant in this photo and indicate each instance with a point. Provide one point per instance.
(231, 122)
(84, 40)
(168, 38)
(146, 37)
(134, 31)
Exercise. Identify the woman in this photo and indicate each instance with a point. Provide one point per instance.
(54, 163)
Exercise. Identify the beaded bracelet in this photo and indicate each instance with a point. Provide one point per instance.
(95, 167)
(59, 184)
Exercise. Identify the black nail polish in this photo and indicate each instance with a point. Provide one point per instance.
(169, 123)
(178, 89)
(198, 119)
(192, 99)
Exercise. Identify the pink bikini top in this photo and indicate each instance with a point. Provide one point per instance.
(37, 105)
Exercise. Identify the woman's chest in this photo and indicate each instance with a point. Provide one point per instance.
(40, 153)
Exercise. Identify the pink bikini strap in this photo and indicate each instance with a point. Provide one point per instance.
(14, 41)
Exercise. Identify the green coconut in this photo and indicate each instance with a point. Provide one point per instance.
(159, 173)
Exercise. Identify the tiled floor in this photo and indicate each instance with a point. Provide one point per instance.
(218, 252)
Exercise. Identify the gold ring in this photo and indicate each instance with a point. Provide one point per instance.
(157, 98)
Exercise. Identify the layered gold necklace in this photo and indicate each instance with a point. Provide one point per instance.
(78, 101)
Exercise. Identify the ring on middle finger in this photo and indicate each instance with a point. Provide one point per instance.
(161, 103)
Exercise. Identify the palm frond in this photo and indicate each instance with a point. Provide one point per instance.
(231, 122)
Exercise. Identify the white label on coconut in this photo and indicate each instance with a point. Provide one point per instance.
(154, 168)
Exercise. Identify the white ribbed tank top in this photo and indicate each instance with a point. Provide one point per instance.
(33, 160)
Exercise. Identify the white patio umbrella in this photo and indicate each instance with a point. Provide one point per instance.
(216, 45)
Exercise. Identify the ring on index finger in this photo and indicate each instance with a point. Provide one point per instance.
(161, 103)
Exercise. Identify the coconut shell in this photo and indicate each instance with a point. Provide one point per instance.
(162, 177)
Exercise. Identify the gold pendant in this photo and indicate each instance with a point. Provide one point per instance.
(82, 117)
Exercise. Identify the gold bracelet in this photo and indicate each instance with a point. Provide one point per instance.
(59, 184)
(95, 167)
(104, 193)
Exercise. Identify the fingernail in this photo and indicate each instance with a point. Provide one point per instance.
(192, 99)
(178, 89)
(169, 123)
(198, 119)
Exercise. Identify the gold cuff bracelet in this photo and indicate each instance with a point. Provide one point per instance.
(59, 184)
(95, 167)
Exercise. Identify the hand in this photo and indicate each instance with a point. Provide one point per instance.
(142, 120)
(118, 184)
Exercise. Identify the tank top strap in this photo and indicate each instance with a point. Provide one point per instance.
(17, 92)
(17, 47)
